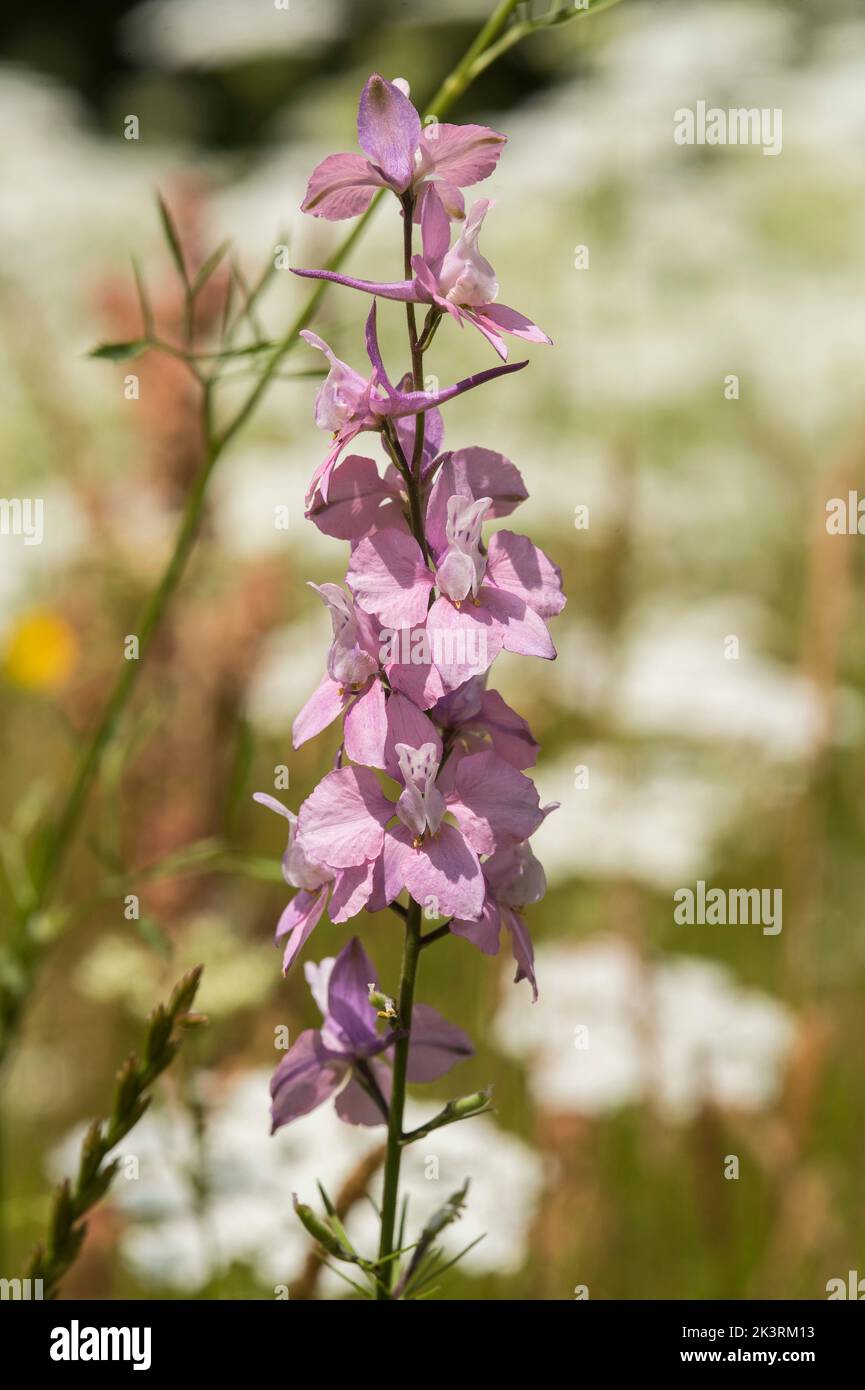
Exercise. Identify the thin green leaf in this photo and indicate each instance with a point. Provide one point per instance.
(205, 271)
(152, 934)
(248, 299)
(172, 239)
(442, 1269)
(227, 306)
(328, 1204)
(251, 297)
(120, 352)
(143, 300)
(402, 1221)
(263, 345)
(342, 1275)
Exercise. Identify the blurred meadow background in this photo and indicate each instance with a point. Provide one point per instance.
(705, 719)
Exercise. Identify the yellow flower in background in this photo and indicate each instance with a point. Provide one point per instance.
(41, 651)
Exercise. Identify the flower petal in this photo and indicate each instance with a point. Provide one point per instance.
(356, 499)
(435, 233)
(298, 922)
(464, 641)
(461, 706)
(433, 435)
(348, 996)
(488, 329)
(484, 933)
(351, 891)
(435, 1045)
(511, 321)
(493, 803)
(388, 577)
(444, 874)
(341, 186)
(341, 823)
(323, 706)
(388, 130)
(272, 804)
(418, 679)
(389, 879)
(366, 727)
(519, 627)
(305, 1078)
(355, 1107)
(521, 947)
(518, 566)
(474, 473)
(509, 733)
(462, 154)
(407, 724)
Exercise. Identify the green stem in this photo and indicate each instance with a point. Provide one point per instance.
(410, 957)
(456, 83)
(437, 934)
(391, 443)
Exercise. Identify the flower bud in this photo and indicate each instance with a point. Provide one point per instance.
(382, 1003)
(469, 1105)
(320, 1231)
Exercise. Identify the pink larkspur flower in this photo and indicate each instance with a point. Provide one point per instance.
(489, 599)
(456, 279)
(348, 403)
(343, 892)
(402, 155)
(323, 1063)
(355, 682)
(348, 821)
(361, 500)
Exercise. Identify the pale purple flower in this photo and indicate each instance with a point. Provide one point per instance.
(515, 587)
(349, 822)
(456, 279)
(401, 155)
(489, 599)
(348, 403)
(473, 472)
(354, 687)
(361, 500)
(350, 662)
(325, 1062)
(344, 892)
